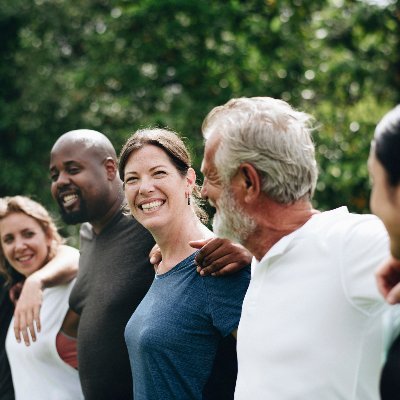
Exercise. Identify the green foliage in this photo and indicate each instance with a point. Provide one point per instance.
(117, 65)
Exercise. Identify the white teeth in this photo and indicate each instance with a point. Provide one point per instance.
(69, 199)
(152, 205)
(24, 258)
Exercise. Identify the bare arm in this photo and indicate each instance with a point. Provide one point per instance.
(220, 256)
(388, 280)
(61, 269)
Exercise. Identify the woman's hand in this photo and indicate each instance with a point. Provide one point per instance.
(388, 280)
(27, 310)
(220, 256)
(59, 270)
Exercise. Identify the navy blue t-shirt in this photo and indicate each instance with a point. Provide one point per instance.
(173, 335)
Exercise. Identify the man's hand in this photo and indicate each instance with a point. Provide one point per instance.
(15, 292)
(220, 256)
(388, 280)
(155, 256)
(27, 310)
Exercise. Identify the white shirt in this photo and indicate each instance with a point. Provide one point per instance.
(37, 370)
(311, 324)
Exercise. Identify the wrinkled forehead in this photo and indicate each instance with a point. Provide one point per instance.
(210, 148)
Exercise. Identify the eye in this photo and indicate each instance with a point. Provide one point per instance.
(131, 180)
(7, 239)
(73, 170)
(28, 234)
(160, 173)
(54, 176)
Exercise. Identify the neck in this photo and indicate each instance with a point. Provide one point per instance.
(275, 221)
(174, 240)
(115, 206)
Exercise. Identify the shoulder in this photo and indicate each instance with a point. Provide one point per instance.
(339, 224)
(228, 284)
(86, 231)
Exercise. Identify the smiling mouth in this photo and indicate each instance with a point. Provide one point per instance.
(154, 205)
(69, 199)
(24, 259)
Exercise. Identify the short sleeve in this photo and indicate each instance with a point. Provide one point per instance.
(225, 296)
(365, 247)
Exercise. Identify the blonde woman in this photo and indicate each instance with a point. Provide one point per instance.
(47, 369)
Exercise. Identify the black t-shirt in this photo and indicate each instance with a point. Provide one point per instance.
(390, 382)
(6, 312)
(114, 275)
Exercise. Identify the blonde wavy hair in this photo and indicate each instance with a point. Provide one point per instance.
(22, 204)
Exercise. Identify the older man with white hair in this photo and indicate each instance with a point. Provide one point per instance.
(311, 319)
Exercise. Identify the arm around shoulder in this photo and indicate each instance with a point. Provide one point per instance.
(59, 270)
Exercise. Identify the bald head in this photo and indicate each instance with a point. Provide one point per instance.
(93, 141)
(85, 180)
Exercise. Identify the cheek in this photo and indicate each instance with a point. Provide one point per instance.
(6, 251)
(130, 196)
(53, 190)
(373, 201)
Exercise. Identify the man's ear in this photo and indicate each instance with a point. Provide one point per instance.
(251, 182)
(111, 168)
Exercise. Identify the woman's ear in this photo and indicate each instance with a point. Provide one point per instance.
(251, 181)
(191, 177)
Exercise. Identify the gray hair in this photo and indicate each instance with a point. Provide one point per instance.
(273, 137)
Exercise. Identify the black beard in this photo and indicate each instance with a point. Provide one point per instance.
(75, 217)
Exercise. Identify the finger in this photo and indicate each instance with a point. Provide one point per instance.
(198, 244)
(216, 264)
(382, 284)
(17, 330)
(156, 258)
(155, 254)
(227, 269)
(206, 254)
(394, 295)
(36, 317)
(31, 327)
(23, 329)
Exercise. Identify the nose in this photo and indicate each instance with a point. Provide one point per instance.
(19, 243)
(62, 179)
(146, 186)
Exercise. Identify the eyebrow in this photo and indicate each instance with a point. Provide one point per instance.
(151, 169)
(67, 164)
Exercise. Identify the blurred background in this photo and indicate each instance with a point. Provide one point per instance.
(119, 65)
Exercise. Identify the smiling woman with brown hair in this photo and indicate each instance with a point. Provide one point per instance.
(173, 335)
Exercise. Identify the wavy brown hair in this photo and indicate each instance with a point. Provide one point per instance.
(176, 150)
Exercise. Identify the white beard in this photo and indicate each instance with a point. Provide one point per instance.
(230, 221)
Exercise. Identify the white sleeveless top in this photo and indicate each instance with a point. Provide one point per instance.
(38, 372)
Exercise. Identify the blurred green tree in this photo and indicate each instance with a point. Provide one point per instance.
(117, 65)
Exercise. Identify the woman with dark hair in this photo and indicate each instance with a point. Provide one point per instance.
(47, 368)
(173, 335)
(384, 168)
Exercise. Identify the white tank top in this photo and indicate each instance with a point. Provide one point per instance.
(38, 372)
